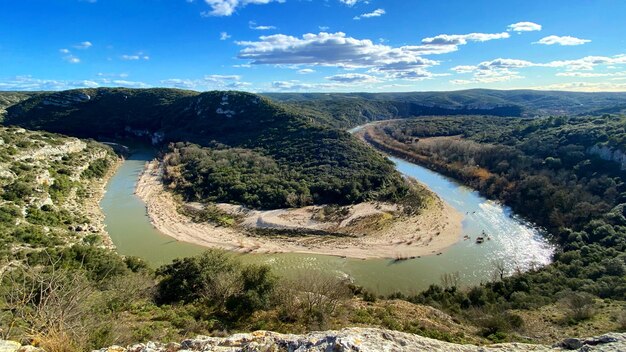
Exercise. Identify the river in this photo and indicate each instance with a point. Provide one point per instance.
(513, 242)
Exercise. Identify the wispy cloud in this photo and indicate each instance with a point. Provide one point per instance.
(506, 69)
(524, 27)
(135, 57)
(83, 45)
(563, 40)
(208, 82)
(224, 36)
(353, 78)
(349, 2)
(462, 39)
(584, 87)
(71, 59)
(29, 83)
(255, 26)
(295, 85)
(375, 13)
(591, 74)
(228, 7)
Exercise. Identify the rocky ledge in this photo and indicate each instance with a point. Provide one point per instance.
(350, 339)
(361, 339)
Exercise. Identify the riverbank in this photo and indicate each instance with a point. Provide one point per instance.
(437, 227)
(91, 204)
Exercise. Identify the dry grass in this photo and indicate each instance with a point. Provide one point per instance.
(548, 324)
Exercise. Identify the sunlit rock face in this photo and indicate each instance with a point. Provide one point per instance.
(361, 339)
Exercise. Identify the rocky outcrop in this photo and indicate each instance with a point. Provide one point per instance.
(360, 339)
(64, 99)
(12, 346)
(607, 153)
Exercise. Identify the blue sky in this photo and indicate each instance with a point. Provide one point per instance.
(314, 45)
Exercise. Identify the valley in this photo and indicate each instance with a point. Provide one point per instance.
(289, 198)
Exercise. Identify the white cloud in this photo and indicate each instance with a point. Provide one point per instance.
(28, 83)
(498, 70)
(431, 49)
(462, 39)
(564, 40)
(83, 45)
(504, 64)
(323, 28)
(120, 75)
(208, 82)
(585, 87)
(306, 71)
(417, 74)
(228, 7)
(224, 36)
(331, 49)
(524, 27)
(253, 25)
(503, 69)
(71, 59)
(295, 85)
(64, 51)
(125, 83)
(135, 57)
(375, 13)
(587, 63)
(349, 2)
(591, 74)
(353, 78)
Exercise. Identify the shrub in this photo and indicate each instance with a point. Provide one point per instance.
(312, 297)
(579, 306)
(217, 281)
(97, 169)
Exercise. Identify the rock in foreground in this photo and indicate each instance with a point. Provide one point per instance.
(361, 339)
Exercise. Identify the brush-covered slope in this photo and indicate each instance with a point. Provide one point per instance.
(49, 185)
(351, 109)
(269, 155)
(104, 112)
(11, 98)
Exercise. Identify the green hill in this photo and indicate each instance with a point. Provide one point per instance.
(11, 98)
(350, 109)
(322, 164)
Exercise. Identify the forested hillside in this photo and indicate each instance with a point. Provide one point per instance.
(551, 170)
(351, 109)
(301, 162)
(11, 98)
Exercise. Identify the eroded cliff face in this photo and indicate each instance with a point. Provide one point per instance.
(607, 153)
(50, 190)
(360, 339)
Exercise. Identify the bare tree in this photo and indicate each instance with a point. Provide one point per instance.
(499, 269)
(46, 304)
(451, 280)
(312, 296)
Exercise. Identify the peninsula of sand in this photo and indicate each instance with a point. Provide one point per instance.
(365, 230)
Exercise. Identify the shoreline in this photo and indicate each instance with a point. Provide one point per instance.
(92, 204)
(435, 229)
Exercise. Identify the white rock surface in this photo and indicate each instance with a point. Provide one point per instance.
(361, 339)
